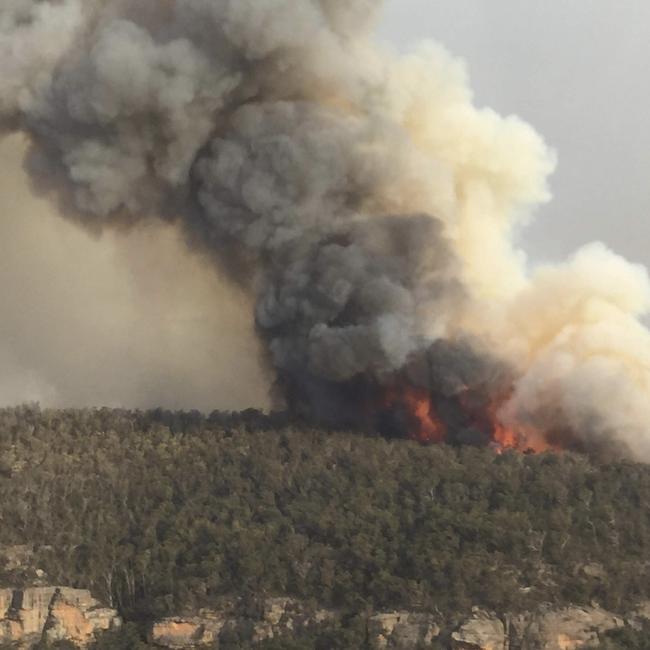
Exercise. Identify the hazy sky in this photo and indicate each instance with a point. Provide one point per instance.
(122, 320)
(577, 70)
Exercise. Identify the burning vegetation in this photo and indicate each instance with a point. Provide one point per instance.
(405, 410)
(447, 394)
(469, 417)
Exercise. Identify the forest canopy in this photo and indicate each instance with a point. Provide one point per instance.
(161, 513)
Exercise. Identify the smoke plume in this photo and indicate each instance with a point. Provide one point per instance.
(358, 195)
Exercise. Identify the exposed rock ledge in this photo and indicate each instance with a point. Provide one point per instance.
(52, 614)
(547, 629)
(60, 613)
(279, 617)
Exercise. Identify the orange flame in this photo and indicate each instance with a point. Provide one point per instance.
(415, 404)
(524, 439)
(415, 409)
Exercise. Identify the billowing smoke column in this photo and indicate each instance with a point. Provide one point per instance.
(361, 197)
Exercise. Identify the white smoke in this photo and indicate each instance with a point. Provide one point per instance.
(584, 355)
(360, 194)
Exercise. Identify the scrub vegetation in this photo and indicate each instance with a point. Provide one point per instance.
(160, 513)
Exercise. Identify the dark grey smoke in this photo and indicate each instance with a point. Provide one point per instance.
(214, 114)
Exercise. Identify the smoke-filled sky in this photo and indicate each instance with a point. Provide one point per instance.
(576, 71)
(363, 204)
(129, 320)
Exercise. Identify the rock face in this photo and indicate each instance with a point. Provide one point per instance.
(402, 630)
(282, 616)
(285, 618)
(565, 629)
(54, 614)
(547, 629)
(481, 632)
(187, 632)
(61, 614)
(279, 617)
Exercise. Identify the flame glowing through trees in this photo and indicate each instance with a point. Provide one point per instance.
(415, 408)
(413, 413)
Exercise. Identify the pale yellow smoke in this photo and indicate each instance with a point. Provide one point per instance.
(123, 320)
(489, 172)
(583, 353)
(573, 331)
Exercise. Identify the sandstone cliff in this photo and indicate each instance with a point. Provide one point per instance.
(547, 629)
(52, 614)
(62, 614)
(279, 617)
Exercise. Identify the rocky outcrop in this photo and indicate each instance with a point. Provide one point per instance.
(284, 616)
(565, 629)
(482, 631)
(287, 618)
(402, 630)
(53, 614)
(546, 629)
(279, 617)
(63, 614)
(187, 632)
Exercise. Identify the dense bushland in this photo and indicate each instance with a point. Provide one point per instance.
(161, 513)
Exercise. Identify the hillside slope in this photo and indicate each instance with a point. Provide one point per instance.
(161, 513)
